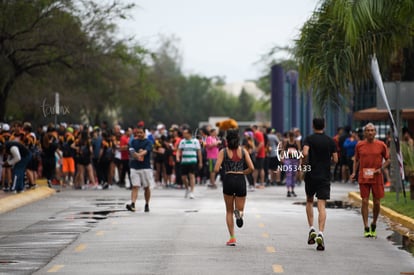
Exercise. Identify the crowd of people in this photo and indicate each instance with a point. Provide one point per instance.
(85, 157)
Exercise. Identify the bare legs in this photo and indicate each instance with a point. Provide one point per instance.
(321, 211)
(189, 182)
(375, 211)
(232, 203)
(134, 194)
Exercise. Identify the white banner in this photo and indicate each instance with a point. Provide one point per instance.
(378, 80)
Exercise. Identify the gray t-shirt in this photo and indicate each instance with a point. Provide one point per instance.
(273, 141)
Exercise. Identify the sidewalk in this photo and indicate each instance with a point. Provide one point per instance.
(385, 211)
(11, 201)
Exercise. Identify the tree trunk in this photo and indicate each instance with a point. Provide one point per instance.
(4, 94)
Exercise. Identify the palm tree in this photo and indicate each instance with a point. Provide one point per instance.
(336, 43)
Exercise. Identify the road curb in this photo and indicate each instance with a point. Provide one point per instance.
(391, 214)
(18, 200)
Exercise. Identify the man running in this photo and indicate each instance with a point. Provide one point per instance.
(320, 150)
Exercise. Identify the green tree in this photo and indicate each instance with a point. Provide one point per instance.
(245, 110)
(266, 61)
(59, 33)
(336, 43)
(166, 75)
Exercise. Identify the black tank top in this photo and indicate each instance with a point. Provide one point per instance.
(231, 165)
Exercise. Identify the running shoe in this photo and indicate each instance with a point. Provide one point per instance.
(239, 219)
(130, 207)
(186, 193)
(191, 195)
(373, 230)
(231, 242)
(367, 232)
(320, 242)
(146, 209)
(312, 236)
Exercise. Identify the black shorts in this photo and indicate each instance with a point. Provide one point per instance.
(234, 185)
(188, 169)
(343, 160)
(319, 187)
(274, 163)
(259, 163)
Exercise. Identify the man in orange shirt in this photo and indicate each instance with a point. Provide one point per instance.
(371, 158)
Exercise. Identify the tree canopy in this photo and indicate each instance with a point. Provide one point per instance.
(70, 47)
(337, 42)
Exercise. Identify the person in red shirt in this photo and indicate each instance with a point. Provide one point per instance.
(259, 173)
(123, 147)
(337, 169)
(371, 158)
(177, 136)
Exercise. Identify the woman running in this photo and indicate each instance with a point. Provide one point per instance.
(236, 163)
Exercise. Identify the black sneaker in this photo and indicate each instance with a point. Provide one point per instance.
(367, 232)
(312, 236)
(320, 242)
(373, 230)
(288, 194)
(146, 208)
(32, 186)
(239, 219)
(131, 207)
(105, 186)
(294, 194)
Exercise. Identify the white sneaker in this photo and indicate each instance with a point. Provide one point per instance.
(96, 187)
(191, 195)
(186, 193)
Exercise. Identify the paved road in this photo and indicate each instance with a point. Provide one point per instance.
(90, 232)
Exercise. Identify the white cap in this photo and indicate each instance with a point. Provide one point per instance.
(6, 127)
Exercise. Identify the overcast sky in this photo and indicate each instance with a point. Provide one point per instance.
(220, 37)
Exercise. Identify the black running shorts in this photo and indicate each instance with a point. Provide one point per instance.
(187, 169)
(318, 187)
(234, 185)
